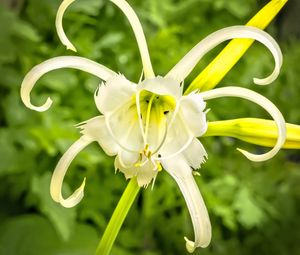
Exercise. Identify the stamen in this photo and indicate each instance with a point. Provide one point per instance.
(107, 117)
(159, 167)
(138, 108)
(148, 116)
(141, 163)
(162, 142)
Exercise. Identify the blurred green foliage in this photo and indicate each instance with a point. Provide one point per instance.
(254, 207)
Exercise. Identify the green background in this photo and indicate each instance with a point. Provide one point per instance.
(254, 207)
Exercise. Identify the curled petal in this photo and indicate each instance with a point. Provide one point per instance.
(231, 54)
(182, 174)
(60, 172)
(139, 35)
(79, 63)
(59, 27)
(263, 102)
(183, 68)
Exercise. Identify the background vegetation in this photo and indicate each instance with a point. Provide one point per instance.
(254, 207)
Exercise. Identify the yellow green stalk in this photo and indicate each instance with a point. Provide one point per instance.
(110, 234)
(256, 131)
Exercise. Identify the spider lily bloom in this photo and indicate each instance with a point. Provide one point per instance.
(151, 125)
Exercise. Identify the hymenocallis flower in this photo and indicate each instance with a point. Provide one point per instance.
(151, 125)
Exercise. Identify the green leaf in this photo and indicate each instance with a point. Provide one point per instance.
(62, 218)
(249, 213)
(34, 235)
(89, 7)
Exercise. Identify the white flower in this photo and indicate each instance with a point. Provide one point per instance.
(151, 125)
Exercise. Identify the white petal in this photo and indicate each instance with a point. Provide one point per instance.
(60, 172)
(123, 125)
(114, 93)
(192, 107)
(178, 138)
(162, 86)
(129, 172)
(263, 102)
(128, 159)
(56, 63)
(96, 130)
(182, 174)
(183, 68)
(59, 27)
(157, 131)
(139, 35)
(194, 154)
(144, 173)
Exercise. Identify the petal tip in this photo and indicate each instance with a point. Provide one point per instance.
(75, 198)
(190, 245)
(71, 47)
(253, 157)
(265, 81)
(259, 81)
(41, 108)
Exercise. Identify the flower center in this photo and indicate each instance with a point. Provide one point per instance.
(155, 112)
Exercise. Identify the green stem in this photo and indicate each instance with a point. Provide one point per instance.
(118, 217)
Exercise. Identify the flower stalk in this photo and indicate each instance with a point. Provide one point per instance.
(256, 131)
(105, 245)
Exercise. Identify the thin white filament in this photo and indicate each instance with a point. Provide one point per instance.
(184, 67)
(163, 139)
(139, 35)
(38, 71)
(59, 27)
(60, 172)
(124, 147)
(176, 114)
(263, 102)
(138, 107)
(176, 153)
